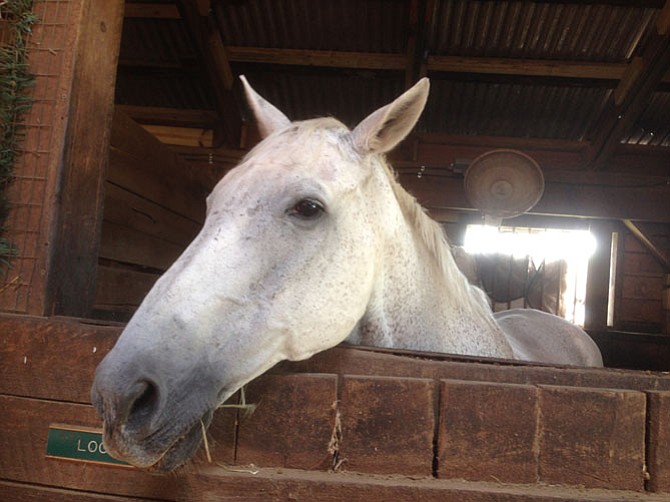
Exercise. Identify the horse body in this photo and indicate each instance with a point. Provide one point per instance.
(308, 242)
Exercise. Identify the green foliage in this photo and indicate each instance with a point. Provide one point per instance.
(15, 80)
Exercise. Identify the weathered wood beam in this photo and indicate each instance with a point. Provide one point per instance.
(170, 116)
(596, 301)
(305, 57)
(442, 150)
(76, 240)
(526, 67)
(383, 61)
(216, 63)
(640, 80)
(414, 44)
(142, 165)
(637, 229)
(182, 136)
(428, 29)
(445, 190)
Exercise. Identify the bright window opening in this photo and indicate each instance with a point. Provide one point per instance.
(539, 268)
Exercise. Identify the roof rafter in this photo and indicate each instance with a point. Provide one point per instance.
(628, 101)
(216, 64)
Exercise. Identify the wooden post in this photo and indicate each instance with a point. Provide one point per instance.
(76, 233)
(598, 277)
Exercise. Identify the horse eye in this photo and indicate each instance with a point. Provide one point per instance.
(307, 208)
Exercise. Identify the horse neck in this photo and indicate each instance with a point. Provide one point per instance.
(421, 300)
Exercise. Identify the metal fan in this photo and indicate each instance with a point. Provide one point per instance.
(503, 184)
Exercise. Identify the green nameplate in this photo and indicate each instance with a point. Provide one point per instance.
(78, 443)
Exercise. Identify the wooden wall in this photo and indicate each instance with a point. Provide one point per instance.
(640, 305)
(154, 207)
(429, 426)
(55, 197)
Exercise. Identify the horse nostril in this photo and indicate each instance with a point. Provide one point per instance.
(144, 406)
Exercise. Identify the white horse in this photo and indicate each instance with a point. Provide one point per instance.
(309, 242)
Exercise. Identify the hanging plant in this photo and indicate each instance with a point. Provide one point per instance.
(16, 21)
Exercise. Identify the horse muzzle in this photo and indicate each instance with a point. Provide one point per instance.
(147, 424)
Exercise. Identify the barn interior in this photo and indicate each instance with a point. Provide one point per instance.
(582, 88)
(137, 113)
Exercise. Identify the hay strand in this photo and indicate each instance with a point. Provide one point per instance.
(204, 439)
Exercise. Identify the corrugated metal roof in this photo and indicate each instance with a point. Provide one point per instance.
(513, 109)
(653, 126)
(159, 65)
(156, 42)
(538, 30)
(344, 25)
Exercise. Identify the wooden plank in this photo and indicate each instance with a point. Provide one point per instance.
(629, 77)
(380, 362)
(641, 315)
(127, 209)
(75, 247)
(28, 344)
(602, 445)
(327, 59)
(126, 245)
(294, 485)
(596, 301)
(488, 432)
(143, 165)
(641, 264)
(415, 42)
(663, 20)
(435, 189)
(637, 229)
(32, 493)
(122, 288)
(301, 437)
(51, 359)
(642, 288)
(658, 463)
(527, 67)
(23, 437)
(169, 116)
(387, 425)
(182, 136)
(216, 66)
(445, 150)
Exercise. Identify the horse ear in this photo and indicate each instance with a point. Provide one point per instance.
(268, 117)
(388, 126)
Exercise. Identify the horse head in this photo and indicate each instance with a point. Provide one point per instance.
(283, 268)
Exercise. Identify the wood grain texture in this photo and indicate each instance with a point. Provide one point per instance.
(592, 437)
(74, 251)
(658, 460)
(388, 425)
(488, 432)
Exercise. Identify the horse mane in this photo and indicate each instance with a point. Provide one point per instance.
(431, 233)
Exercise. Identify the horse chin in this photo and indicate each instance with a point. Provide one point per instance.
(177, 453)
(183, 449)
